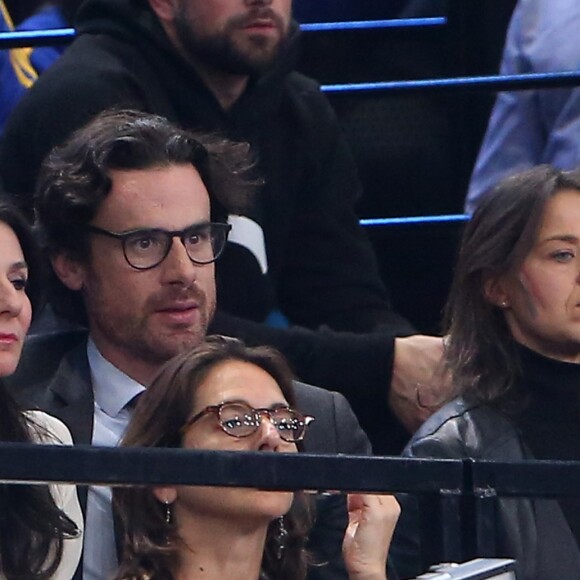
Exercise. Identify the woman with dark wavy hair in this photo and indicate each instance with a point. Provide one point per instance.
(513, 350)
(40, 526)
(226, 396)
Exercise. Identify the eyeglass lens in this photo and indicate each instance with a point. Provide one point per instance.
(147, 248)
(241, 420)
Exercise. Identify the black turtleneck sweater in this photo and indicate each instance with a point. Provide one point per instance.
(550, 419)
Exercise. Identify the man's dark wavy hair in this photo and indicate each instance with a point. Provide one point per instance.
(75, 179)
(481, 352)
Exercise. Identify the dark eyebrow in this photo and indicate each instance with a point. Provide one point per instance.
(562, 238)
(151, 229)
(22, 265)
(272, 406)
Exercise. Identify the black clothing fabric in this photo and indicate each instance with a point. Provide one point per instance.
(54, 375)
(537, 532)
(357, 365)
(320, 265)
(550, 420)
(321, 270)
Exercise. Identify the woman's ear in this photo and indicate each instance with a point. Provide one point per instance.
(166, 495)
(495, 291)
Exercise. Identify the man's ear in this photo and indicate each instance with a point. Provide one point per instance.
(166, 495)
(70, 272)
(495, 290)
(164, 9)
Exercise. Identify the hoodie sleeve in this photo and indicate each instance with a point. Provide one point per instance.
(331, 275)
(81, 84)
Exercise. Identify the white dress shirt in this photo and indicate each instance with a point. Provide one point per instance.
(113, 390)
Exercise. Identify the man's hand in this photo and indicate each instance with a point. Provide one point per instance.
(419, 385)
(371, 523)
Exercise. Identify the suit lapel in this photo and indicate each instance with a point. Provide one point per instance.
(69, 397)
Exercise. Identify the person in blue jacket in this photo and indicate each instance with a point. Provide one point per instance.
(530, 127)
(20, 67)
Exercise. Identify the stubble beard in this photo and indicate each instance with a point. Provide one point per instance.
(160, 347)
(153, 346)
(221, 52)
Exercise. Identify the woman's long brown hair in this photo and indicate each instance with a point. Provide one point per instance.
(32, 528)
(150, 543)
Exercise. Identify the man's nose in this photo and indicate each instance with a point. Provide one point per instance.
(177, 266)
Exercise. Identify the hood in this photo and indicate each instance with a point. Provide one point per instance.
(130, 20)
(133, 21)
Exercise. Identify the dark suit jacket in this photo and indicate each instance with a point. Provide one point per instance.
(64, 390)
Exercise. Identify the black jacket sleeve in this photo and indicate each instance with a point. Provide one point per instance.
(533, 531)
(357, 365)
(338, 432)
(352, 364)
(330, 273)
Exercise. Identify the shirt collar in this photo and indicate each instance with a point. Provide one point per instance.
(112, 388)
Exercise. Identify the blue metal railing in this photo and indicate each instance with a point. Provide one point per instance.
(65, 35)
(414, 220)
(18, 38)
(487, 82)
(375, 24)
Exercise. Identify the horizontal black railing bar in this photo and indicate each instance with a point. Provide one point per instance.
(519, 82)
(414, 220)
(21, 38)
(548, 479)
(86, 464)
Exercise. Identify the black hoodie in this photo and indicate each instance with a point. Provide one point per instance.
(321, 270)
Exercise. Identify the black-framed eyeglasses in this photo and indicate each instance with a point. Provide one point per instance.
(240, 420)
(146, 248)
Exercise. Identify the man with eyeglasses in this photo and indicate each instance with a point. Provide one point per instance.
(124, 208)
(297, 255)
(146, 248)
